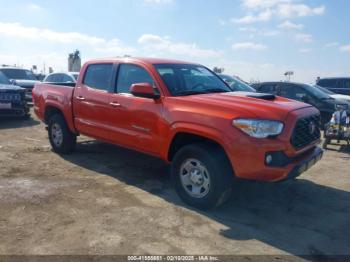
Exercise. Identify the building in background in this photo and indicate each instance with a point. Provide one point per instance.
(74, 61)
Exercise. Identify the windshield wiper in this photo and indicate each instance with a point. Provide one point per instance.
(215, 90)
(189, 92)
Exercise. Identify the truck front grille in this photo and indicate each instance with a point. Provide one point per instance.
(10, 97)
(306, 131)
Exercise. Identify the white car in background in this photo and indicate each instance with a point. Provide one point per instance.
(332, 94)
(68, 77)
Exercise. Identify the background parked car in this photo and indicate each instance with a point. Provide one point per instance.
(339, 85)
(21, 77)
(12, 99)
(70, 77)
(334, 95)
(236, 84)
(304, 93)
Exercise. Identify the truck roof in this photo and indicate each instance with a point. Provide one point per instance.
(148, 60)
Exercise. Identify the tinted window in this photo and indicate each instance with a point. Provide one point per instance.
(19, 74)
(51, 78)
(293, 92)
(347, 83)
(333, 83)
(66, 78)
(131, 74)
(268, 88)
(3, 79)
(99, 76)
(187, 79)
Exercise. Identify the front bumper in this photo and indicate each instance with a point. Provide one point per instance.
(310, 159)
(15, 111)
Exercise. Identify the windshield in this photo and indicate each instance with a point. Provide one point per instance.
(20, 74)
(318, 93)
(3, 79)
(236, 84)
(324, 90)
(187, 79)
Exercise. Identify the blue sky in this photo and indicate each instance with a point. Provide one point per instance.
(254, 39)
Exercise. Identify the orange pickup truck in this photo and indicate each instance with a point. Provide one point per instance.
(186, 115)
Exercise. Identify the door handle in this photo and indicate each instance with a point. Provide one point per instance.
(114, 104)
(80, 98)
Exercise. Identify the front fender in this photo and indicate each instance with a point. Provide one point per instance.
(195, 129)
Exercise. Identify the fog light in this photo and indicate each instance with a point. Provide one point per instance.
(268, 159)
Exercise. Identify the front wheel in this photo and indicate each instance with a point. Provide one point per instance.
(202, 175)
(62, 140)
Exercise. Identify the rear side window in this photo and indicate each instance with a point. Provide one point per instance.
(130, 74)
(293, 92)
(347, 83)
(328, 83)
(50, 78)
(99, 76)
(66, 78)
(268, 88)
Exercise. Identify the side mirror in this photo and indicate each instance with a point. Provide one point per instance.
(145, 90)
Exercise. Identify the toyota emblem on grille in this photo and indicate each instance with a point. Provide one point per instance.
(312, 127)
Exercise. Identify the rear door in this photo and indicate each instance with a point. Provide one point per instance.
(135, 120)
(91, 100)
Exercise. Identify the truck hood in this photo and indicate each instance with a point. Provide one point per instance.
(342, 97)
(25, 83)
(276, 108)
(4, 88)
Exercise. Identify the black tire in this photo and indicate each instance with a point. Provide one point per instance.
(219, 170)
(69, 139)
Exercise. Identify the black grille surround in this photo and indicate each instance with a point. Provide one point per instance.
(306, 131)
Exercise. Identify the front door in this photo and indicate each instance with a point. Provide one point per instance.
(135, 119)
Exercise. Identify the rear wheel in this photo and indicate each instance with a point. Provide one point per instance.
(202, 175)
(62, 140)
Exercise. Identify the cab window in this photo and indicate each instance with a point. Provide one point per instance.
(129, 74)
(99, 76)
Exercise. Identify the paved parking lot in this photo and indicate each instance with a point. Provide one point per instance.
(108, 200)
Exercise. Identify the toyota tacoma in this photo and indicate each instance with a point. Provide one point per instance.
(188, 116)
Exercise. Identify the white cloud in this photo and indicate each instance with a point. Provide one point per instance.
(304, 50)
(298, 10)
(248, 46)
(289, 26)
(164, 44)
(303, 38)
(265, 10)
(345, 48)
(249, 19)
(258, 4)
(159, 1)
(17, 30)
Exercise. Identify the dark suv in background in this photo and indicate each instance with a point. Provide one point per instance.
(339, 85)
(21, 77)
(12, 99)
(304, 93)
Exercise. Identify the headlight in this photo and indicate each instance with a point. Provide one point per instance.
(259, 128)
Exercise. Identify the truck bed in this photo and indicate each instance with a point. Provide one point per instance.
(55, 95)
